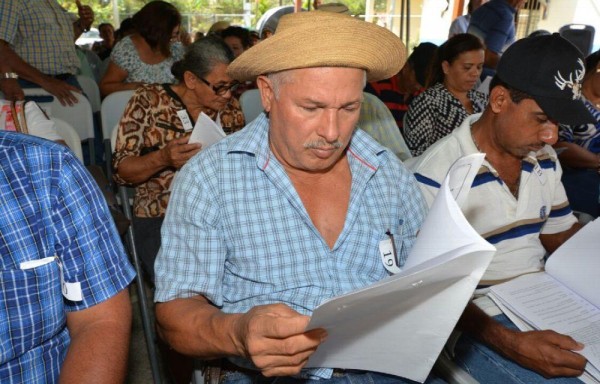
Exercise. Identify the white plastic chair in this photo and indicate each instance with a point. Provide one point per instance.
(70, 136)
(111, 110)
(251, 104)
(79, 115)
(90, 88)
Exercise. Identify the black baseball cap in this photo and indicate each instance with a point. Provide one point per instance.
(550, 69)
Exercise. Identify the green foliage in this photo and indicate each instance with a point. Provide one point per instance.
(199, 15)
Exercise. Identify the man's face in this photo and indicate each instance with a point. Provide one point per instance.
(524, 128)
(313, 116)
(107, 33)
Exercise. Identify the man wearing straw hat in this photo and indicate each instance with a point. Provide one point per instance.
(290, 211)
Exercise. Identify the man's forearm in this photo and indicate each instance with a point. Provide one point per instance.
(478, 324)
(18, 65)
(553, 241)
(195, 327)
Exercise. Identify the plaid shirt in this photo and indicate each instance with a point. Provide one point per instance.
(237, 232)
(50, 207)
(41, 33)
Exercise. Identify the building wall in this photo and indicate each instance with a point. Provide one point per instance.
(561, 12)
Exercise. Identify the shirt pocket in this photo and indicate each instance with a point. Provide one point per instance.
(32, 309)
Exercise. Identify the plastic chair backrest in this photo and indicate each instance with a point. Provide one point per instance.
(70, 136)
(251, 104)
(91, 90)
(78, 115)
(581, 35)
(113, 136)
(112, 109)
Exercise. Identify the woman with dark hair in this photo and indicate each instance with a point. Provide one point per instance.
(152, 140)
(147, 55)
(580, 147)
(237, 38)
(450, 96)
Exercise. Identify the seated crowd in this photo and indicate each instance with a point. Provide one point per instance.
(241, 240)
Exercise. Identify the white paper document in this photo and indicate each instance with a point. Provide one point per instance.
(564, 298)
(399, 325)
(206, 131)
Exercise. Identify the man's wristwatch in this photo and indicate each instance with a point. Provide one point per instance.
(8, 75)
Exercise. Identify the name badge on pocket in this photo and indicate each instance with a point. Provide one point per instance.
(185, 120)
(387, 252)
(71, 291)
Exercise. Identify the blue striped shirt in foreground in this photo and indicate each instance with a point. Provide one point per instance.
(50, 207)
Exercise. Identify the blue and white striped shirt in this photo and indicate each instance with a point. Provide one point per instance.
(50, 207)
(512, 225)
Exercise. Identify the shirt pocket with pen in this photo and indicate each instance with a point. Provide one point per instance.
(32, 310)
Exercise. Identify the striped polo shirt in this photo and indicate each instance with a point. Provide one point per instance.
(512, 225)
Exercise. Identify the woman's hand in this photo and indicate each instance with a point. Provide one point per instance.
(178, 152)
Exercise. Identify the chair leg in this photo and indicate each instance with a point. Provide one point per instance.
(149, 331)
(108, 163)
(92, 149)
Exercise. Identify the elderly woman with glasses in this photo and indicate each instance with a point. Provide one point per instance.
(152, 140)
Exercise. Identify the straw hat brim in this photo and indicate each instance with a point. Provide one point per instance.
(323, 39)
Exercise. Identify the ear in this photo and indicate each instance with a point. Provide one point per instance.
(190, 80)
(267, 95)
(499, 97)
(445, 67)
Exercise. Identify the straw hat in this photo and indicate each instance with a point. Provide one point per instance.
(323, 39)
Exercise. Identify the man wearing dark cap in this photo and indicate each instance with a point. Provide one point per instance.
(517, 202)
(265, 225)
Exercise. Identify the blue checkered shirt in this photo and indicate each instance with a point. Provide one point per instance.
(237, 232)
(50, 207)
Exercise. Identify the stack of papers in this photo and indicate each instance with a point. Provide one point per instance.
(400, 324)
(565, 298)
(206, 131)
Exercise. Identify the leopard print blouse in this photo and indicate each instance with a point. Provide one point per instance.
(149, 122)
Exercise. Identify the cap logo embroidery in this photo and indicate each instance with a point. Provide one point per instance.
(574, 84)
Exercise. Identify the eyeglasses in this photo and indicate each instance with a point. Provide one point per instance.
(221, 90)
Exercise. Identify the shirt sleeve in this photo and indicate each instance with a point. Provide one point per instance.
(191, 260)
(121, 53)
(420, 121)
(130, 136)
(497, 32)
(87, 243)
(561, 217)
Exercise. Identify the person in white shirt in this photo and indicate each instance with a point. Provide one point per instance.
(517, 202)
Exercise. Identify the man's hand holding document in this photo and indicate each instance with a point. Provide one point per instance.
(564, 298)
(400, 324)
